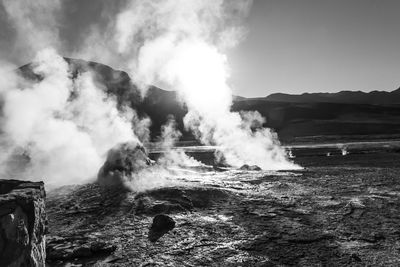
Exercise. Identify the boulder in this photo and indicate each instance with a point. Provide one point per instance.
(161, 225)
(246, 167)
(122, 162)
(22, 223)
(76, 247)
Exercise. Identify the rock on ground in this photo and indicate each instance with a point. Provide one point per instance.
(338, 211)
(246, 167)
(160, 226)
(61, 248)
(22, 223)
(122, 161)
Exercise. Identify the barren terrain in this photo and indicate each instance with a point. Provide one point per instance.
(337, 211)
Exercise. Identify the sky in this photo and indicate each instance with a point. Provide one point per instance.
(319, 46)
(291, 46)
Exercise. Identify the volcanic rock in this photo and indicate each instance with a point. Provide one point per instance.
(122, 162)
(22, 223)
(246, 167)
(146, 205)
(161, 225)
(61, 248)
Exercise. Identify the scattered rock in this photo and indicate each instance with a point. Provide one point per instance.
(355, 257)
(22, 223)
(171, 200)
(122, 162)
(60, 248)
(246, 167)
(160, 226)
(373, 237)
(281, 186)
(354, 208)
(280, 222)
(188, 198)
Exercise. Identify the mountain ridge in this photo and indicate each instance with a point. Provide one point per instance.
(355, 97)
(291, 116)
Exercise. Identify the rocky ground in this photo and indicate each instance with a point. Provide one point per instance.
(337, 211)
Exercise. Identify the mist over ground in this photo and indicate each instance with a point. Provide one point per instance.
(63, 111)
(148, 157)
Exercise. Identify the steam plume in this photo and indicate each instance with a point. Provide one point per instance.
(35, 25)
(173, 156)
(65, 126)
(182, 45)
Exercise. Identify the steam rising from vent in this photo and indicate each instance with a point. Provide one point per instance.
(173, 157)
(344, 150)
(182, 45)
(65, 127)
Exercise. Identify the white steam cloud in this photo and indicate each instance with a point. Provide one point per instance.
(173, 157)
(182, 44)
(35, 24)
(64, 126)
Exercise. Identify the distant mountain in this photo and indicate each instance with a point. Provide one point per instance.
(156, 104)
(293, 120)
(291, 116)
(113, 81)
(354, 97)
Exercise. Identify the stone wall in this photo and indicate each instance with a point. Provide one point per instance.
(22, 223)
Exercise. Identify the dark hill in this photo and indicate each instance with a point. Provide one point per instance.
(157, 103)
(349, 97)
(292, 116)
(293, 120)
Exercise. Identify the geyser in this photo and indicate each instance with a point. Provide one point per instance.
(66, 125)
(123, 162)
(182, 45)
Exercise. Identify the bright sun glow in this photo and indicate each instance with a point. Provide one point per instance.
(200, 73)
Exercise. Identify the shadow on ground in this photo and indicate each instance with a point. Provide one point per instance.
(341, 215)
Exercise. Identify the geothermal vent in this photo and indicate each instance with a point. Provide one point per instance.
(122, 162)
